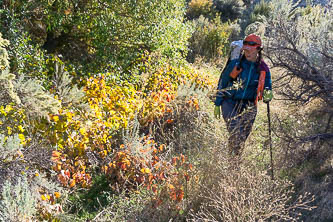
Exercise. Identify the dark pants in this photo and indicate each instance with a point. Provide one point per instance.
(239, 116)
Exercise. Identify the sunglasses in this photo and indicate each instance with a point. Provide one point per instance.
(250, 43)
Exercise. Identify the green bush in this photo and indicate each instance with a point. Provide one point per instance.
(210, 39)
(18, 202)
(98, 35)
(9, 147)
(230, 10)
(200, 7)
(261, 9)
(299, 41)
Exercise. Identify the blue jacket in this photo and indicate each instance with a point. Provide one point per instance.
(249, 77)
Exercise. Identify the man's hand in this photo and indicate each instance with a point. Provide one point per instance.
(217, 112)
(268, 95)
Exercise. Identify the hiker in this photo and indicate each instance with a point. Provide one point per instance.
(243, 82)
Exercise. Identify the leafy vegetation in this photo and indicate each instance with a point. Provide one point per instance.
(209, 41)
(229, 9)
(105, 112)
(197, 8)
(260, 9)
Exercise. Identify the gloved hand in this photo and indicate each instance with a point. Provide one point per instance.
(268, 95)
(217, 112)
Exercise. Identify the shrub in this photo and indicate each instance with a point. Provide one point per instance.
(75, 133)
(26, 93)
(6, 79)
(304, 153)
(236, 191)
(244, 196)
(4, 58)
(10, 147)
(18, 202)
(99, 35)
(27, 200)
(171, 176)
(305, 34)
(113, 105)
(260, 9)
(210, 39)
(7, 88)
(200, 7)
(230, 10)
(298, 42)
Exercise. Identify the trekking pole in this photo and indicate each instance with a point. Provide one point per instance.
(270, 139)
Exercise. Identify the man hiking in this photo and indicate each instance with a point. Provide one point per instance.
(243, 82)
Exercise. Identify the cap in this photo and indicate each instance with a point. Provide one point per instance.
(251, 41)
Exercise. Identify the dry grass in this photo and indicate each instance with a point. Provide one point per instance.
(297, 156)
(241, 193)
(224, 190)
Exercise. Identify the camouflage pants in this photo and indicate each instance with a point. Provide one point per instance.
(239, 116)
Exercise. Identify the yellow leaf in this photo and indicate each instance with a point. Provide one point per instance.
(9, 130)
(69, 116)
(145, 170)
(55, 118)
(104, 138)
(105, 169)
(171, 186)
(8, 108)
(72, 184)
(20, 128)
(43, 197)
(2, 110)
(21, 137)
(82, 131)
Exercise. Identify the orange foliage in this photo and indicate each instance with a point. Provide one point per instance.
(127, 170)
(112, 106)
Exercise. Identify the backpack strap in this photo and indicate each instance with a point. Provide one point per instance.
(263, 69)
(238, 68)
(261, 84)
